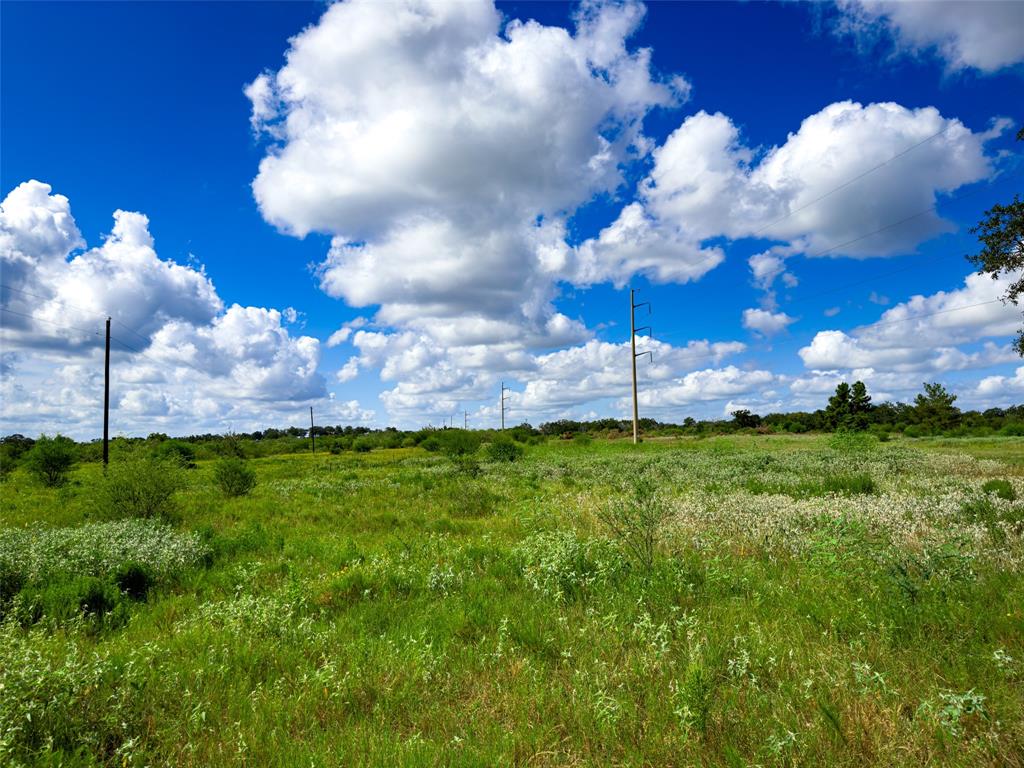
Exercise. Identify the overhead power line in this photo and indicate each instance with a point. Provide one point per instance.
(856, 178)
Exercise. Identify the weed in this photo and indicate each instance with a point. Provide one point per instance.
(637, 519)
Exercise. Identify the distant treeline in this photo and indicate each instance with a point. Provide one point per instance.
(932, 413)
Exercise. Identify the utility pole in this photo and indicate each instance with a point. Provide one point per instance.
(312, 434)
(465, 419)
(504, 389)
(632, 343)
(106, 401)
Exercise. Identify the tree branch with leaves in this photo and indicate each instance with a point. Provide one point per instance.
(1001, 233)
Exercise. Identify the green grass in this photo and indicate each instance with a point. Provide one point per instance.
(811, 603)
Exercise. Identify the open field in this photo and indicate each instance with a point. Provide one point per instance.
(810, 601)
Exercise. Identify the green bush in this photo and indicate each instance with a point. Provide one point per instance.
(504, 449)
(234, 476)
(141, 486)
(362, 445)
(1013, 429)
(50, 460)
(1000, 488)
(177, 451)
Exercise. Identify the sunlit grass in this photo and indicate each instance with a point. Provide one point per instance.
(386, 608)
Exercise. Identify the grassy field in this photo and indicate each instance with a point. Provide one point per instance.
(810, 601)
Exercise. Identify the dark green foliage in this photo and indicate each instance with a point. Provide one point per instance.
(134, 579)
(50, 460)
(140, 486)
(96, 599)
(12, 449)
(177, 451)
(504, 449)
(934, 408)
(860, 407)
(1000, 488)
(1001, 233)
(744, 419)
(458, 442)
(362, 445)
(234, 476)
(839, 485)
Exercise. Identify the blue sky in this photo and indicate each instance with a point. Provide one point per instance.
(491, 186)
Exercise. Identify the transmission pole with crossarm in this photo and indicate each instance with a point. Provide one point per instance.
(632, 344)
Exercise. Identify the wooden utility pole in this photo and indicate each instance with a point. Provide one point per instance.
(504, 389)
(632, 344)
(465, 419)
(106, 400)
(312, 434)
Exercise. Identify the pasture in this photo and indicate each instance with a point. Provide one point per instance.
(750, 600)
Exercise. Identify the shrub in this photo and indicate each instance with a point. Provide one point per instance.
(50, 459)
(134, 579)
(1000, 488)
(504, 449)
(636, 519)
(458, 442)
(141, 486)
(362, 445)
(234, 476)
(466, 465)
(1013, 429)
(177, 451)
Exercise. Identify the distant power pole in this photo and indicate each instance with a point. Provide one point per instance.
(465, 419)
(312, 434)
(106, 400)
(632, 343)
(504, 389)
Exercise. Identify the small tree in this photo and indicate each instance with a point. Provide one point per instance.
(934, 409)
(234, 476)
(860, 407)
(744, 419)
(1001, 233)
(838, 410)
(51, 459)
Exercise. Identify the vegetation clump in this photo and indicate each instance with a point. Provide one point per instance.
(50, 460)
(141, 486)
(234, 476)
(504, 449)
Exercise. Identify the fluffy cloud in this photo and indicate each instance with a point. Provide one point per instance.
(983, 35)
(766, 323)
(1002, 386)
(443, 152)
(708, 385)
(922, 334)
(123, 277)
(180, 360)
(706, 181)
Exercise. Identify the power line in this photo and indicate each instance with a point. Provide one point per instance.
(50, 322)
(856, 178)
(55, 300)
